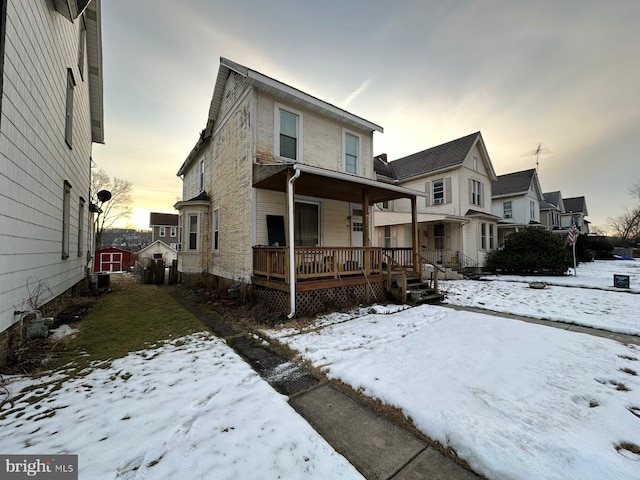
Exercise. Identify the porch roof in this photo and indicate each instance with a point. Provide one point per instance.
(322, 183)
(384, 218)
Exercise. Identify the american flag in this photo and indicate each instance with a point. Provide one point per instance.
(573, 230)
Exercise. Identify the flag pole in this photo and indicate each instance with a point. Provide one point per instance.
(575, 269)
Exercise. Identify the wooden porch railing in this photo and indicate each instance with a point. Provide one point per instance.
(445, 258)
(272, 263)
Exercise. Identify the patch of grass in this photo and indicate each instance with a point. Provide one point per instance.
(131, 318)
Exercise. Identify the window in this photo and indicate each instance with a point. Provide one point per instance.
(202, 175)
(162, 231)
(532, 209)
(180, 230)
(307, 224)
(475, 163)
(82, 41)
(491, 237)
(193, 233)
(483, 236)
(507, 210)
(288, 128)
(66, 214)
(438, 236)
(173, 232)
(216, 230)
(68, 126)
(351, 153)
(438, 191)
(80, 225)
(476, 193)
(387, 236)
(385, 205)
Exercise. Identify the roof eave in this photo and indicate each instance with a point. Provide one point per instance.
(93, 18)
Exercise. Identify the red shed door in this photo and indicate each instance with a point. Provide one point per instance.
(111, 262)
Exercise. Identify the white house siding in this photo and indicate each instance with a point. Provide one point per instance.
(35, 161)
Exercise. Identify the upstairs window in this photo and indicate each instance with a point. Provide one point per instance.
(201, 175)
(351, 153)
(173, 232)
(68, 126)
(162, 231)
(532, 209)
(476, 193)
(438, 192)
(507, 210)
(287, 134)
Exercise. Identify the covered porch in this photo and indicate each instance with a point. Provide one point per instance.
(309, 278)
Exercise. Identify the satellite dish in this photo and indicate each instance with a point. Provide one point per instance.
(104, 195)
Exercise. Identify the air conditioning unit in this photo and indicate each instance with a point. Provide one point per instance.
(438, 201)
(507, 215)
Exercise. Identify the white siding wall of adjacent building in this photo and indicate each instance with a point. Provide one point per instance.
(35, 160)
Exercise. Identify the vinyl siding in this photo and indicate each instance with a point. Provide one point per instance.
(40, 46)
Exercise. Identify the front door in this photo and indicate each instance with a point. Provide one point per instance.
(356, 226)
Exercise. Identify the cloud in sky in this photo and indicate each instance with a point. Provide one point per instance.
(561, 73)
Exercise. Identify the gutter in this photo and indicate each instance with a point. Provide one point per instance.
(292, 257)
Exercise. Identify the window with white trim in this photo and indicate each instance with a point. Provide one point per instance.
(507, 209)
(192, 228)
(162, 231)
(351, 151)
(216, 230)
(532, 209)
(173, 232)
(483, 236)
(438, 191)
(287, 133)
(476, 192)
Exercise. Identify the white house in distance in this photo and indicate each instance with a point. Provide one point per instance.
(51, 113)
(456, 225)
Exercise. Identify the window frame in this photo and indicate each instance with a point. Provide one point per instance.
(278, 107)
(81, 210)
(162, 231)
(483, 235)
(196, 233)
(66, 218)
(358, 160)
(532, 209)
(387, 236)
(491, 237)
(504, 209)
(476, 192)
(201, 175)
(318, 205)
(215, 227)
(440, 193)
(173, 232)
(68, 123)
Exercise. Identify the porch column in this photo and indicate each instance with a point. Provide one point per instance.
(414, 236)
(366, 242)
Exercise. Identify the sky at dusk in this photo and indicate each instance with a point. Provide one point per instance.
(565, 74)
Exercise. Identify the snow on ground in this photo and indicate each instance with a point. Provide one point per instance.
(516, 400)
(611, 308)
(191, 408)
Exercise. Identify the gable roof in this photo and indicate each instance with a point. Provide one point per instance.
(157, 243)
(575, 205)
(554, 199)
(442, 157)
(163, 219)
(513, 183)
(279, 90)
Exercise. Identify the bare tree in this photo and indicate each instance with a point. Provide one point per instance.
(627, 225)
(634, 190)
(119, 206)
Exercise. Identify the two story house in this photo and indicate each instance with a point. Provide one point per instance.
(517, 198)
(278, 194)
(575, 208)
(456, 225)
(164, 228)
(51, 112)
(551, 209)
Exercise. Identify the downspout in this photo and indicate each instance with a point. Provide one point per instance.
(292, 257)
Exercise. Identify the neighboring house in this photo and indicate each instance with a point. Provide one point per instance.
(517, 199)
(112, 259)
(158, 250)
(456, 226)
(576, 208)
(164, 227)
(277, 194)
(551, 209)
(51, 113)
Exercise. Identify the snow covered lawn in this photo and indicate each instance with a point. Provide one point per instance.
(516, 400)
(191, 408)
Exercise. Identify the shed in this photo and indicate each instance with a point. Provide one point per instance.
(112, 259)
(158, 250)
